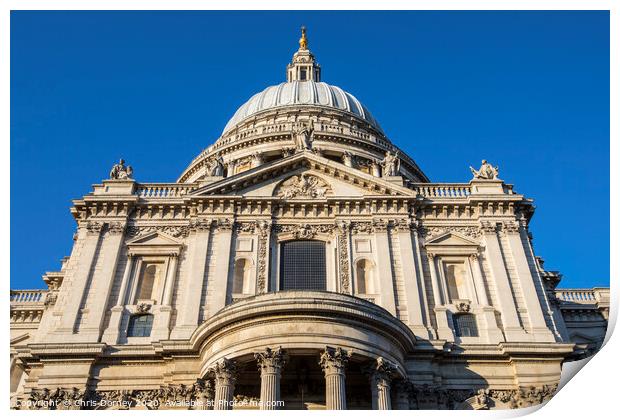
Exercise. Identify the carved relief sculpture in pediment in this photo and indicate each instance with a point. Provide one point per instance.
(303, 186)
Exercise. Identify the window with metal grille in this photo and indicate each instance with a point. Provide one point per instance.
(140, 326)
(465, 325)
(302, 266)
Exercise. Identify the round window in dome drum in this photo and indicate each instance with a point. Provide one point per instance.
(302, 265)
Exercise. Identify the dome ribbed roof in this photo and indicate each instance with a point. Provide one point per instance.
(296, 93)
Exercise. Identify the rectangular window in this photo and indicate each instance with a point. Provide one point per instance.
(302, 74)
(302, 266)
(149, 280)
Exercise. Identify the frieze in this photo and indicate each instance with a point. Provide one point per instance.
(305, 230)
(174, 231)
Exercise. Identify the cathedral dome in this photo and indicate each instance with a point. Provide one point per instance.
(300, 93)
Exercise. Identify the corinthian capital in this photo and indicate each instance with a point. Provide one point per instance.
(271, 359)
(225, 371)
(382, 371)
(334, 360)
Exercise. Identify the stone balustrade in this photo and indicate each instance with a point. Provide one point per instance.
(28, 296)
(583, 296)
(164, 190)
(443, 190)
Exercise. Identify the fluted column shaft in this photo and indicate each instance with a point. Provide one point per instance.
(381, 373)
(270, 364)
(333, 362)
(225, 378)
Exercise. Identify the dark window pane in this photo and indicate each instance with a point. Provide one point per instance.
(465, 325)
(302, 266)
(140, 326)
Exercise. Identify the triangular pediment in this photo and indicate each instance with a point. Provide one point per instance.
(330, 177)
(154, 239)
(451, 239)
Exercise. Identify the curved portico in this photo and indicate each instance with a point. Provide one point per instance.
(329, 328)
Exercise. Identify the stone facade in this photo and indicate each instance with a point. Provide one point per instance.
(175, 295)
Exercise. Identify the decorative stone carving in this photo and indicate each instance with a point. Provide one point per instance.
(334, 359)
(402, 225)
(288, 151)
(303, 186)
(488, 227)
(264, 229)
(486, 171)
(175, 231)
(511, 227)
(361, 227)
(120, 171)
(390, 164)
(143, 308)
(94, 227)
(305, 230)
(482, 400)
(303, 137)
(223, 224)
(200, 225)
(344, 266)
(380, 225)
(116, 228)
(381, 373)
(432, 232)
(462, 305)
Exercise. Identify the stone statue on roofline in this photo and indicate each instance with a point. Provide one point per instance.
(303, 137)
(486, 171)
(215, 167)
(121, 171)
(390, 164)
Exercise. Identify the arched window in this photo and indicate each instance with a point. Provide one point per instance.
(241, 279)
(364, 277)
(302, 266)
(465, 325)
(148, 281)
(140, 325)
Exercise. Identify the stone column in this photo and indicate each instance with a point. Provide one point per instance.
(381, 373)
(270, 363)
(334, 362)
(225, 377)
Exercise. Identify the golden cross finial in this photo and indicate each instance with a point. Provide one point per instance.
(303, 41)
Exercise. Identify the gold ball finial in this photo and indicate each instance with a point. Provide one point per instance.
(303, 41)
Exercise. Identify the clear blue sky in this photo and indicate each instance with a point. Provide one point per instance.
(529, 91)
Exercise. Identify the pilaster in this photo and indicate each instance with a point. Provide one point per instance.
(384, 266)
(512, 327)
(101, 286)
(415, 301)
(89, 234)
(189, 309)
